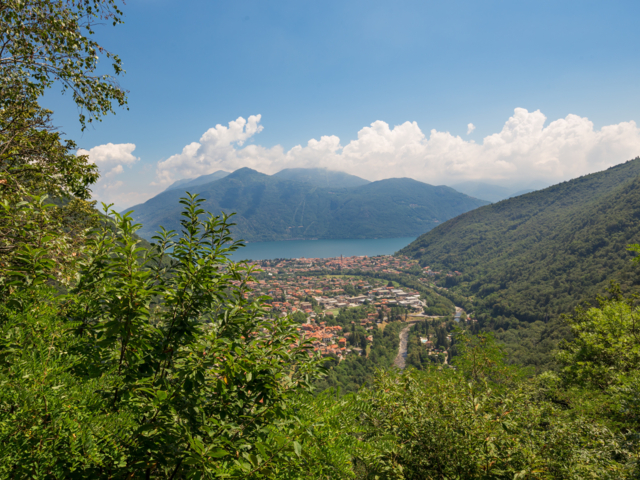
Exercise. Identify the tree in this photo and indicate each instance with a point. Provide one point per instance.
(43, 42)
(35, 163)
(155, 365)
(435, 424)
(47, 41)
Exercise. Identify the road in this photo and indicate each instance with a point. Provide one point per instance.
(402, 348)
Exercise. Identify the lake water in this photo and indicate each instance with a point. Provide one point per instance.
(321, 248)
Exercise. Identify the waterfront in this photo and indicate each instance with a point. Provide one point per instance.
(321, 248)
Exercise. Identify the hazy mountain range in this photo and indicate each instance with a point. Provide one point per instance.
(322, 177)
(310, 204)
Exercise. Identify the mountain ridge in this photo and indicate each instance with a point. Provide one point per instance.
(269, 207)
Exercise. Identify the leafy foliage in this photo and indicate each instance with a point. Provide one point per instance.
(47, 41)
(43, 42)
(445, 427)
(148, 369)
(35, 164)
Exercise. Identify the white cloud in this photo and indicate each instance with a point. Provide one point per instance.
(111, 154)
(525, 150)
(470, 128)
(112, 186)
(217, 146)
(117, 170)
(110, 159)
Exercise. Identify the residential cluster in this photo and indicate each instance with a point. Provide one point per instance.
(311, 288)
(380, 263)
(316, 296)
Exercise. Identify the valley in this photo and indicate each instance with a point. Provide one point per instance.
(357, 319)
(513, 268)
(469, 310)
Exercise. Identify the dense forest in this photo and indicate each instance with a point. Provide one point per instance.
(525, 261)
(126, 360)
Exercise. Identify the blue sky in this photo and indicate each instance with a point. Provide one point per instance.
(333, 68)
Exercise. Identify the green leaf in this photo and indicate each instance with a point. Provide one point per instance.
(218, 452)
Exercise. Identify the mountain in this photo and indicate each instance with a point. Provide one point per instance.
(489, 192)
(270, 207)
(188, 183)
(321, 177)
(533, 257)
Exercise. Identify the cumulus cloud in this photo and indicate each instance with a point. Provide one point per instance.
(110, 159)
(470, 128)
(524, 150)
(117, 170)
(111, 154)
(217, 146)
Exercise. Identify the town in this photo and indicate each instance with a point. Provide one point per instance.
(314, 291)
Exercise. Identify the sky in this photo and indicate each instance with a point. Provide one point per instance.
(515, 93)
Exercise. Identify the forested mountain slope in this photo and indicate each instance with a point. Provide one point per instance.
(269, 207)
(533, 257)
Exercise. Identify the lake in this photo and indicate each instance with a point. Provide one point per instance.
(321, 248)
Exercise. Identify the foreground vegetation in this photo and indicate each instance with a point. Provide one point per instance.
(120, 359)
(150, 368)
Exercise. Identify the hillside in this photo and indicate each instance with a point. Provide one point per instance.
(275, 208)
(533, 257)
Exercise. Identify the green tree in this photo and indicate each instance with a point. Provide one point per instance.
(439, 425)
(35, 163)
(47, 41)
(601, 365)
(605, 349)
(149, 368)
(43, 42)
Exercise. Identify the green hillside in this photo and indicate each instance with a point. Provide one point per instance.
(275, 208)
(531, 258)
(187, 183)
